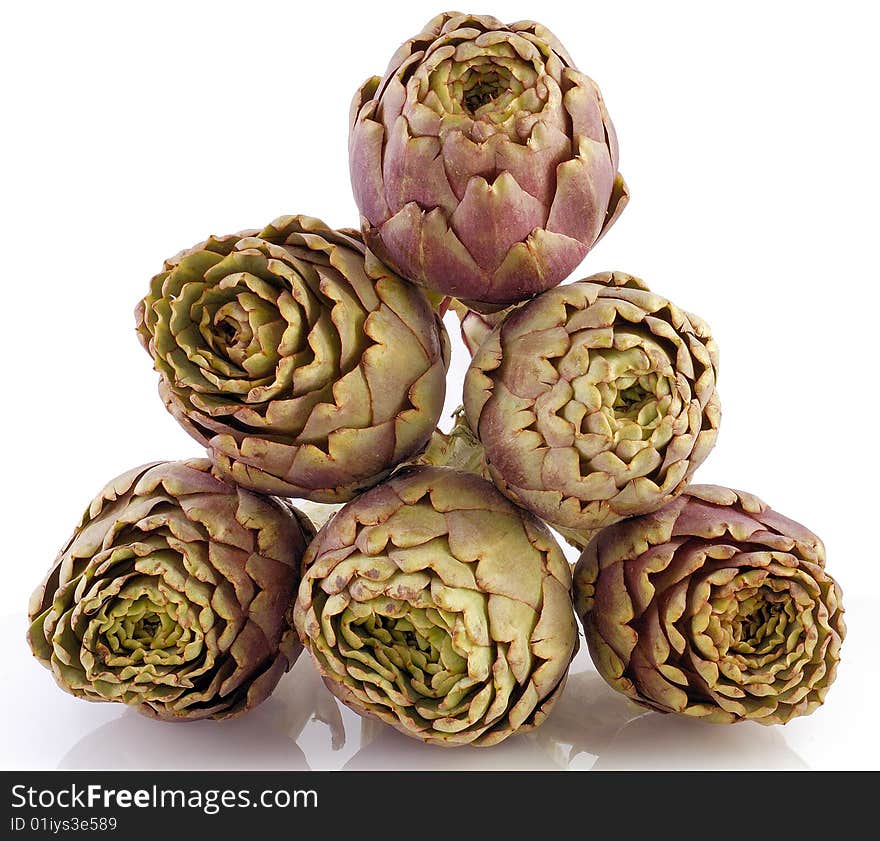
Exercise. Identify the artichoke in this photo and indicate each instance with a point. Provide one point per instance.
(594, 401)
(303, 364)
(171, 595)
(484, 165)
(435, 605)
(475, 326)
(715, 606)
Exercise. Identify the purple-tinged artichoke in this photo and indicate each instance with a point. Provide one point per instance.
(594, 401)
(483, 163)
(435, 605)
(304, 365)
(715, 606)
(171, 595)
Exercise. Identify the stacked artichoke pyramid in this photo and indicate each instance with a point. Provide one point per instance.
(311, 364)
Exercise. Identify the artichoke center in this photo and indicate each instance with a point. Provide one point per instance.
(147, 627)
(139, 628)
(404, 634)
(228, 330)
(635, 405)
(142, 624)
(759, 624)
(485, 90)
(232, 331)
(412, 651)
(417, 650)
(624, 398)
(631, 397)
(479, 88)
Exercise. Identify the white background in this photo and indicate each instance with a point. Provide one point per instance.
(748, 136)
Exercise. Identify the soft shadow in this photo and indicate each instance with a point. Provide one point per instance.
(593, 726)
(262, 739)
(655, 741)
(301, 699)
(584, 721)
(133, 742)
(384, 749)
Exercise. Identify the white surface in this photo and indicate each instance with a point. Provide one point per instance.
(749, 140)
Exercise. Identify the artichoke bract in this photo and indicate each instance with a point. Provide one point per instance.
(483, 163)
(594, 401)
(304, 365)
(171, 595)
(716, 607)
(435, 605)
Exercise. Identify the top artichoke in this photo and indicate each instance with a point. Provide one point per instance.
(484, 164)
(304, 365)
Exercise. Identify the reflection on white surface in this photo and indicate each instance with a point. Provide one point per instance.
(384, 749)
(133, 742)
(667, 742)
(584, 720)
(263, 739)
(303, 726)
(606, 731)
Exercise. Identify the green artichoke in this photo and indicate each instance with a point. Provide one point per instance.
(171, 595)
(594, 401)
(435, 605)
(715, 607)
(484, 164)
(303, 364)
